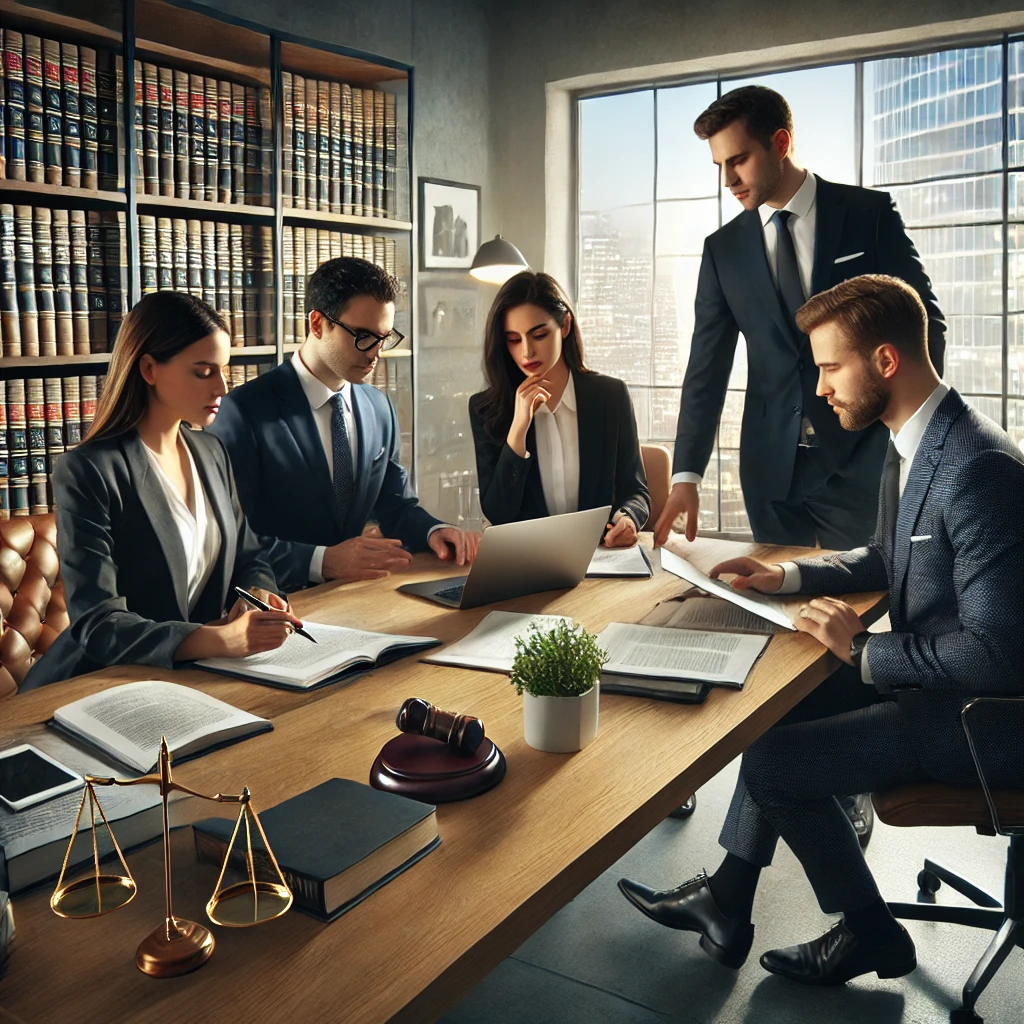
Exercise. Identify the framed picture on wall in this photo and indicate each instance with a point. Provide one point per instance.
(451, 317)
(449, 224)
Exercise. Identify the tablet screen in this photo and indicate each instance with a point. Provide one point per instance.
(24, 773)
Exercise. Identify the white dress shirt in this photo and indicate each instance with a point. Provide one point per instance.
(558, 453)
(199, 531)
(801, 226)
(906, 442)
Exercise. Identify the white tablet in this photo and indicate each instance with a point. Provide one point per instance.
(29, 777)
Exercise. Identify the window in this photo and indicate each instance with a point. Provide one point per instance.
(935, 132)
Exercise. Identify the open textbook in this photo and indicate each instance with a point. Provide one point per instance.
(339, 651)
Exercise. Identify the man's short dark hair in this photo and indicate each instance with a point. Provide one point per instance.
(871, 310)
(762, 110)
(335, 283)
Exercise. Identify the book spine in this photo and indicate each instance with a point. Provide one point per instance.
(252, 147)
(323, 160)
(334, 135)
(147, 253)
(108, 119)
(151, 164)
(367, 152)
(287, 138)
(197, 137)
(224, 141)
(212, 139)
(299, 284)
(288, 282)
(179, 254)
(14, 84)
(5, 457)
(312, 143)
(224, 272)
(390, 156)
(165, 95)
(53, 118)
(299, 142)
(237, 276)
(72, 110)
(181, 145)
(17, 434)
(3, 112)
(348, 245)
(265, 284)
(357, 152)
(164, 254)
(116, 254)
(90, 117)
(88, 389)
(312, 259)
(237, 143)
(96, 269)
(138, 127)
(209, 230)
(72, 412)
(35, 415)
(390, 264)
(335, 245)
(323, 246)
(250, 305)
(79, 283)
(264, 125)
(194, 240)
(378, 153)
(54, 412)
(346, 148)
(11, 325)
(44, 281)
(34, 116)
(62, 282)
(378, 251)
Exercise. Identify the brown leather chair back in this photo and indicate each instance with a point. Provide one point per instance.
(32, 601)
(658, 466)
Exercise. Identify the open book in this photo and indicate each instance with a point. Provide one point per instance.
(695, 611)
(339, 651)
(127, 722)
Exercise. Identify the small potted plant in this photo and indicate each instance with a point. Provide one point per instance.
(557, 672)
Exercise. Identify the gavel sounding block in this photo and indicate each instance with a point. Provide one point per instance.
(427, 769)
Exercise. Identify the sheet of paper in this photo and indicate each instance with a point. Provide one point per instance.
(619, 562)
(759, 604)
(492, 645)
(708, 613)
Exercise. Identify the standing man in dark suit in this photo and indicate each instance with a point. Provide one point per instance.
(315, 450)
(949, 548)
(805, 480)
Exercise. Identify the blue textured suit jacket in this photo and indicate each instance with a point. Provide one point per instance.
(283, 481)
(956, 599)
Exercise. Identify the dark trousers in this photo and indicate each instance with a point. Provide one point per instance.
(835, 512)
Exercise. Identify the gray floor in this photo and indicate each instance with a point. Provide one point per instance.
(598, 960)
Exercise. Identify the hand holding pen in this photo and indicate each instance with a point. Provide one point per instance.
(263, 606)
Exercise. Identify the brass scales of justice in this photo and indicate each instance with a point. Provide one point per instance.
(176, 946)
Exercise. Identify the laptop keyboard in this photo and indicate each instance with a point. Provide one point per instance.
(452, 593)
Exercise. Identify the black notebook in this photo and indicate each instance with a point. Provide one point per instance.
(336, 844)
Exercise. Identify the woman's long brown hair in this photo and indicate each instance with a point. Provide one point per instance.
(161, 325)
(502, 374)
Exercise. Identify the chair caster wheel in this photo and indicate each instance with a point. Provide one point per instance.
(964, 1015)
(928, 883)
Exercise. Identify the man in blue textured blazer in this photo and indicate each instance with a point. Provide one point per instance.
(949, 548)
(315, 451)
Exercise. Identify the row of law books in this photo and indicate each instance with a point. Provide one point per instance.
(229, 266)
(63, 280)
(60, 120)
(201, 138)
(304, 249)
(340, 148)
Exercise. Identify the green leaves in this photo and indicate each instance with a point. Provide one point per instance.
(563, 662)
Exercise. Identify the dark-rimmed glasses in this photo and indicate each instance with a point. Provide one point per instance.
(365, 340)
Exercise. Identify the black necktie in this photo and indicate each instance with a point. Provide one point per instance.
(342, 455)
(791, 289)
(891, 489)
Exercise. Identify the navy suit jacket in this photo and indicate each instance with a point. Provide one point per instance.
(736, 294)
(611, 470)
(956, 603)
(122, 562)
(286, 490)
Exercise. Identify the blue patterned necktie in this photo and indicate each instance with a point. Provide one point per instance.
(342, 456)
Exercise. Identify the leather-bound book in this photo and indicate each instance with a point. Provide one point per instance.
(287, 138)
(347, 172)
(300, 285)
(179, 253)
(138, 135)
(95, 252)
(89, 104)
(10, 323)
(151, 163)
(210, 263)
(194, 241)
(264, 242)
(224, 272)
(237, 158)
(53, 116)
(88, 402)
(164, 254)
(323, 145)
(298, 142)
(165, 96)
(288, 281)
(72, 401)
(79, 249)
(197, 137)
(62, 283)
(334, 141)
(115, 245)
(212, 139)
(265, 127)
(253, 135)
(34, 113)
(43, 239)
(14, 87)
(312, 143)
(72, 110)
(390, 155)
(335, 245)
(108, 120)
(368, 135)
(181, 144)
(378, 153)
(5, 457)
(237, 277)
(17, 435)
(250, 299)
(224, 145)
(35, 414)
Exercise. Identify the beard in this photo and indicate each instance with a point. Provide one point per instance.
(867, 407)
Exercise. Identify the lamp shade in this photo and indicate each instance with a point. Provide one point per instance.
(497, 260)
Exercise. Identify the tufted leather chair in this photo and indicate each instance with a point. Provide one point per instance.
(32, 602)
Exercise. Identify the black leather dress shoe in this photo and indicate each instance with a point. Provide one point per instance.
(839, 955)
(683, 811)
(861, 813)
(690, 907)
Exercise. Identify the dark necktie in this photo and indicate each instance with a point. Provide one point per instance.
(342, 456)
(891, 489)
(791, 289)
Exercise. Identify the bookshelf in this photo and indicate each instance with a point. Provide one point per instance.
(149, 144)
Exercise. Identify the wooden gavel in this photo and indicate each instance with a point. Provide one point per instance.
(461, 732)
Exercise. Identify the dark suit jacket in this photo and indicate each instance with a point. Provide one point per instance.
(956, 603)
(611, 472)
(283, 481)
(736, 293)
(122, 562)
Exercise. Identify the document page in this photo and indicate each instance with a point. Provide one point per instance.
(708, 613)
(619, 562)
(664, 653)
(492, 645)
(759, 604)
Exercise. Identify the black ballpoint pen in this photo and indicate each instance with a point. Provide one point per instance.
(264, 607)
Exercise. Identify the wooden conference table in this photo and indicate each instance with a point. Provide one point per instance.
(508, 859)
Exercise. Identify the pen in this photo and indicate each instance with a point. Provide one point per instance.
(263, 607)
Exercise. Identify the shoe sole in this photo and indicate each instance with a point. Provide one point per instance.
(882, 973)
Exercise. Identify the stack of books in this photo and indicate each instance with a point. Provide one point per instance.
(61, 112)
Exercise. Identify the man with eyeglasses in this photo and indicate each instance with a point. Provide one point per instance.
(315, 450)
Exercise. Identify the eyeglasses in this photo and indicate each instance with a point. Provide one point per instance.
(366, 340)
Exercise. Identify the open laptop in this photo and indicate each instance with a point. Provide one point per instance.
(522, 558)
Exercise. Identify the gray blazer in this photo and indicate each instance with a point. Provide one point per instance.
(122, 562)
(956, 603)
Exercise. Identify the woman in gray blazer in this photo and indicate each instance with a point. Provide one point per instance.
(150, 534)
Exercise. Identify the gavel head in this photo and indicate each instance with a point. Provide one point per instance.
(461, 732)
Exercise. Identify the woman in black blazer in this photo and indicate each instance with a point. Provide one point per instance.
(150, 533)
(552, 436)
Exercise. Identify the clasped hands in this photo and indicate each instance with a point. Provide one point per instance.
(373, 556)
(830, 621)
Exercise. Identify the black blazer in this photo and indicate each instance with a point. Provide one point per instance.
(735, 293)
(611, 471)
(122, 562)
(284, 485)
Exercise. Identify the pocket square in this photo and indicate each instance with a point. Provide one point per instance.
(920, 537)
(852, 256)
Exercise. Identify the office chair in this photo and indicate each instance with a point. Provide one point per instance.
(657, 462)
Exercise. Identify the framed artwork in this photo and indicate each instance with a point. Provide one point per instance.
(451, 317)
(449, 224)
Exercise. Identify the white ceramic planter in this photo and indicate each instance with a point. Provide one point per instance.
(560, 725)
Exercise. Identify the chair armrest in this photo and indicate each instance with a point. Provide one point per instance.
(964, 711)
